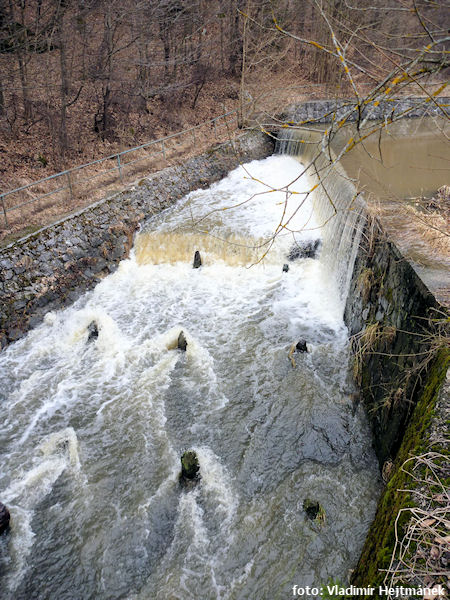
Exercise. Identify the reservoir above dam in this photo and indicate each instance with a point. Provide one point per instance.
(399, 171)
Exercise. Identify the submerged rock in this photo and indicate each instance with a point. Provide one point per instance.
(190, 468)
(4, 518)
(311, 508)
(314, 510)
(93, 331)
(309, 249)
(197, 260)
(285, 268)
(301, 346)
(182, 342)
(62, 445)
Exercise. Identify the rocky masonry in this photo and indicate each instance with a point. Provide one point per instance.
(324, 111)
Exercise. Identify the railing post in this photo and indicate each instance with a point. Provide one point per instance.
(70, 185)
(120, 168)
(4, 210)
(163, 148)
(215, 128)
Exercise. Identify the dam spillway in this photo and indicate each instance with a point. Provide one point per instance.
(94, 432)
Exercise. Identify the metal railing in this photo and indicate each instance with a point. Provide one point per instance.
(70, 177)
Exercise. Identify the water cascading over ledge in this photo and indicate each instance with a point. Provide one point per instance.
(339, 210)
(386, 303)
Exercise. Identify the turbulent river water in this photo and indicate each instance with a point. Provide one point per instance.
(93, 432)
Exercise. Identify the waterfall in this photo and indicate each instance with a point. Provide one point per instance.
(338, 208)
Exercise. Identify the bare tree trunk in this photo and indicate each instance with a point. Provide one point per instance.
(2, 99)
(235, 38)
(243, 68)
(64, 87)
(103, 117)
(22, 58)
(27, 105)
(222, 49)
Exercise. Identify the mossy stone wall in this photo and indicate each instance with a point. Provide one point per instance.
(379, 545)
(391, 314)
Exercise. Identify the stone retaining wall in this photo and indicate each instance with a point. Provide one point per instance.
(401, 358)
(392, 315)
(51, 268)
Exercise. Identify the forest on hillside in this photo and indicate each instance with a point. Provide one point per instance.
(79, 78)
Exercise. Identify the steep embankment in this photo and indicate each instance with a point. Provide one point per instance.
(52, 267)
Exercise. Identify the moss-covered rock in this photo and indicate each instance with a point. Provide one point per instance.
(314, 511)
(190, 467)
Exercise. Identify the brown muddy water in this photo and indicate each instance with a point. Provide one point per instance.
(398, 170)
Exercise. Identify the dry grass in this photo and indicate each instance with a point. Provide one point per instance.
(374, 338)
(432, 227)
(421, 555)
(103, 179)
(366, 279)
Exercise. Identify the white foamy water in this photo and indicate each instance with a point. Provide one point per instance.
(94, 431)
(55, 454)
